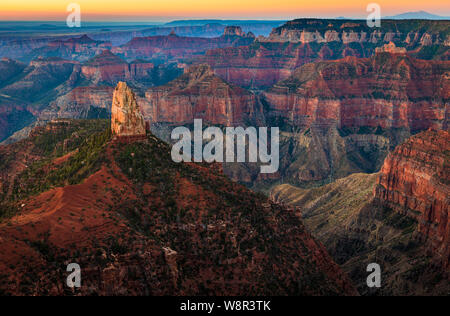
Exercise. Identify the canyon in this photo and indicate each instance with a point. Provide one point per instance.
(139, 224)
(298, 42)
(389, 90)
(397, 218)
(174, 48)
(364, 147)
(200, 94)
(414, 181)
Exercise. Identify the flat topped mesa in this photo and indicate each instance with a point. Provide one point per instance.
(126, 117)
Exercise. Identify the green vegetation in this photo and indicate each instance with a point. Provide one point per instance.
(7, 210)
(89, 138)
(51, 144)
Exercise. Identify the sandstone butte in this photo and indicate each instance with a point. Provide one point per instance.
(415, 181)
(126, 118)
(198, 93)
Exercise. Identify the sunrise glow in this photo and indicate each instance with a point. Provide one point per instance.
(166, 9)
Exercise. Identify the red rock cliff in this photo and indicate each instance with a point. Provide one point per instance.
(109, 68)
(126, 118)
(415, 181)
(388, 90)
(198, 93)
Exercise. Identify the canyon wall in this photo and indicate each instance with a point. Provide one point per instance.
(274, 58)
(415, 181)
(388, 90)
(199, 94)
(411, 33)
(109, 68)
(174, 47)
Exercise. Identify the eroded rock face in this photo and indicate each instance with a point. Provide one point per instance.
(79, 48)
(388, 90)
(81, 103)
(126, 118)
(174, 47)
(302, 41)
(109, 68)
(233, 253)
(199, 94)
(323, 31)
(415, 181)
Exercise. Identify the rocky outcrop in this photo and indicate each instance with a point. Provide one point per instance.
(358, 230)
(299, 42)
(176, 48)
(78, 48)
(81, 103)
(137, 224)
(39, 77)
(126, 118)
(237, 31)
(388, 90)
(199, 94)
(109, 68)
(412, 33)
(415, 181)
(259, 65)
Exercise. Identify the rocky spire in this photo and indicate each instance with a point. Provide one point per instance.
(126, 117)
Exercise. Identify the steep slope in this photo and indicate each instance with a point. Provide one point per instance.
(302, 41)
(39, 78)
(409, 33)
(8, 69)
(81, 102)
(390, 90)
(177, 48)
(78, 48)
(199, 94)
(109, 68)
(415, 181)
(358, 230)
(397, 218)
(341, 117)
(137, 223)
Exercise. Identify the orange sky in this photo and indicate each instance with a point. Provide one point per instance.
(170, 9)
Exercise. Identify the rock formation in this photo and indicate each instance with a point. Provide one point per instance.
(109, 68)
(199, 94)
(358, 230)
(233, 31)
(390, 48)
(174, 48)
(303, 41)
(126, 118)
(78, 48)
(119, 218)
(412, 33)
(388, 90)
(415, 181)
